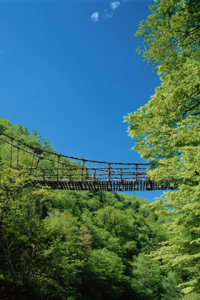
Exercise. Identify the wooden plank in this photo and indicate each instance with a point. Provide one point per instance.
(100, 185)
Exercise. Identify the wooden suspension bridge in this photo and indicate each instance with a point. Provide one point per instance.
(58, 171)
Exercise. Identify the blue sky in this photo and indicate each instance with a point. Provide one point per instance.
(69, 69)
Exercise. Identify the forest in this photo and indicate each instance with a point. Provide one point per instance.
(86, 245)
(59, 244)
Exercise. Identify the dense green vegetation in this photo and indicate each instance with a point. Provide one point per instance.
(77, 245)
(102, 245)
(167, 132)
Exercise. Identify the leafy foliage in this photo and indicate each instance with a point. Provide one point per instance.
(166, 130)
(76, 245)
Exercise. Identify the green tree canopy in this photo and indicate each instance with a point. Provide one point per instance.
(75, 245)
(166, 129)
(171, 32)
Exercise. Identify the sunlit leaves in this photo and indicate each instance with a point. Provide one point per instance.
(167, 130)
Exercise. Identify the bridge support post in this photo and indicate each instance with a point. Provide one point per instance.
(109, 178)
(58, 165)
(38, 158)
(17, 159)
(121, 181)
(82, 168)
(11, 143)
(94, 175)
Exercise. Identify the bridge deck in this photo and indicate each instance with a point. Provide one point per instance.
(101, 185)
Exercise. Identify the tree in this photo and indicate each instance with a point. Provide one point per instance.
(171, 32)
(58, 244)
(166, 129)
(42, 250)
(147, 279)
(103, 276)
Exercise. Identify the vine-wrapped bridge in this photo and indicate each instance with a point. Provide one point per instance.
(58, 171)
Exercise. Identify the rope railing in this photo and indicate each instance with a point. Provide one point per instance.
(60, 171)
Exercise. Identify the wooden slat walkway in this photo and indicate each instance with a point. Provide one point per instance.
(100, 185)
(60, 171)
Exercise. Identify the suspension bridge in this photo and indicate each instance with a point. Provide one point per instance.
(58, 171)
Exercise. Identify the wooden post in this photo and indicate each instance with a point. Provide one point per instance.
(94, 175)
(121, 175)
(61, 175)
(32, 162)
(38, 158)
(82, 168)
(136, 173)
(11, 143)
(58, 165)
(85, 173)
(148, 186)
(109, 186)
(17, 157)
(109, 172)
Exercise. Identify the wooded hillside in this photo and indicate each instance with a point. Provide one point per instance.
(77, 245)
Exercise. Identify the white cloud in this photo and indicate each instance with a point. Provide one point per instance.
(95, 16)
(107, 14)
(114, 4)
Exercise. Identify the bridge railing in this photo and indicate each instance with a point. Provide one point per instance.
(60, 171)
(47, 165)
